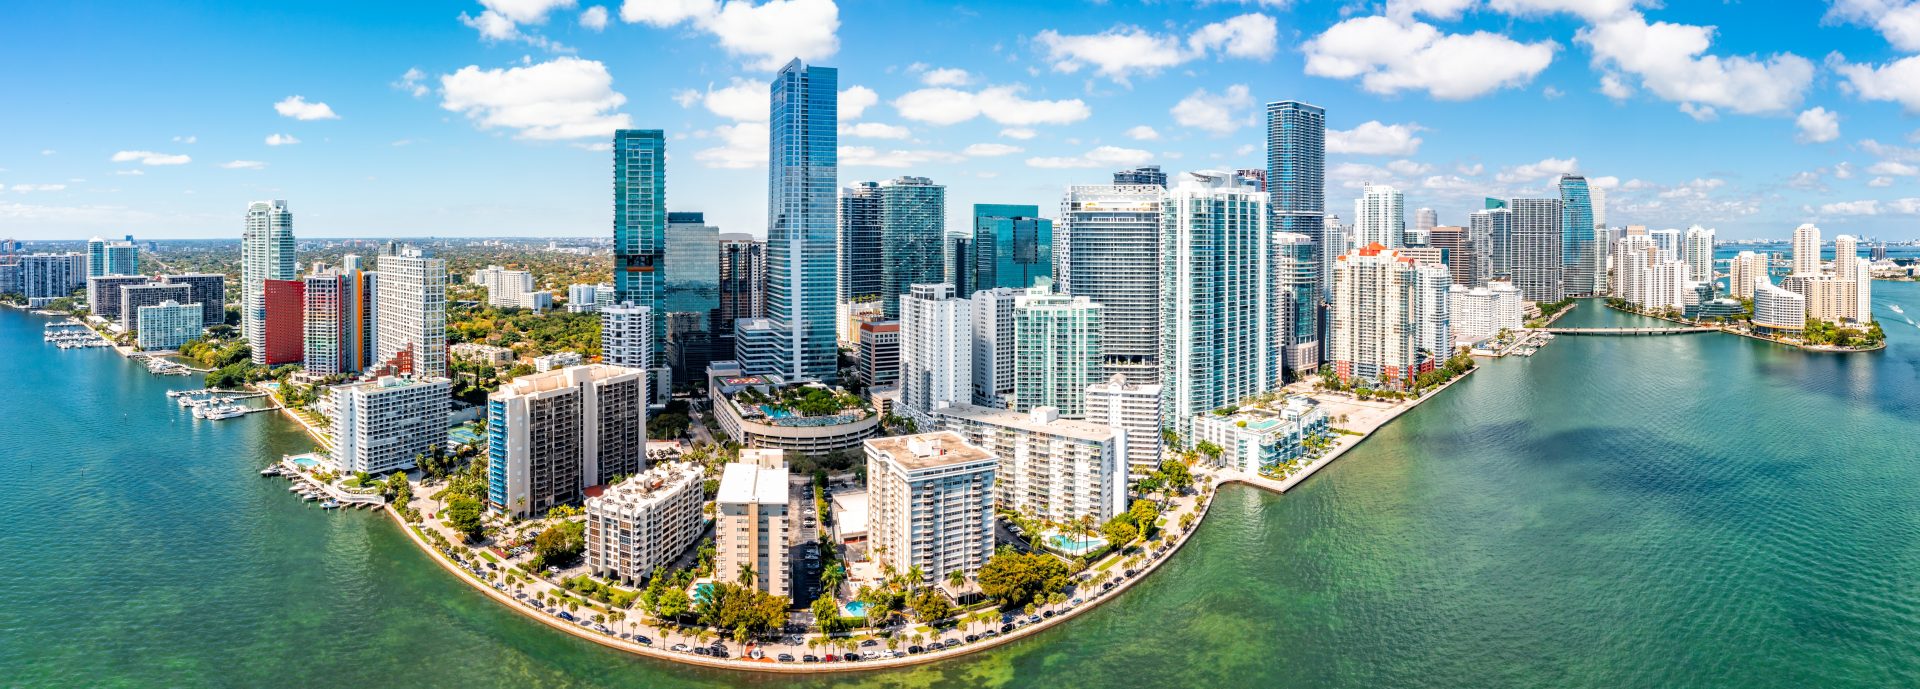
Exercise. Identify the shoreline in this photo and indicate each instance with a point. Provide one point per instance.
(1816, 349)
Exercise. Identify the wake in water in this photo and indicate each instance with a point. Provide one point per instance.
(1896, 309)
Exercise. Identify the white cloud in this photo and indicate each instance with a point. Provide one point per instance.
(243, 165)
(1391, 56)
(185, 139)
(874, 130)
(743, 145)
(594, 18)
(986, 150)
(1888, 167)
(1450, 183)
(1817, 125)
(413, 81)
(854, 101)
(1897, 20)
(1217, 113)
(298, 108)
(136, 172)
(1668, 58)
(1612, 86)
(1473, 170)
(1547, 167)
(1002, 104)
(1843, 171)
(1104, 156)
(1868, 207)
(1374, 138)
(1143, 133)
(767, 34)
(564, 98)
(1020, 133)
(492, 26)
(740, 101)
(525, 11)
(501, 20)
(1880, 182)
(948, 76)
(1587, 9)
(26, 188)
(867, 156)
(1900, 153)
(281, 140)
(1700, 113)
(1607, 182)
(1409, 168)
(151, 158)
(597, 146)
(1895, 82)
(1124, 51)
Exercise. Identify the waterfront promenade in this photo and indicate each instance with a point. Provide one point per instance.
(1362, 419)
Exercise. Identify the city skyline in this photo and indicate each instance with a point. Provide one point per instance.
(411, 139)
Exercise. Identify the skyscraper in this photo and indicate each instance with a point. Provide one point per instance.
(1697, 250)
(858, 266)
(796, 339)
(1057, 350)
(1456, 245)
(1019, 241)
(1215, 297)
(1297, 174)
(743, 287)
(326, 340)
(1743, 271)
(1382, 326)
(410, 304)
(692, 293)
(1380, 216)
(1576, 237)
(1424, 220)
(1296, 301)
(96, 257)
(1539, 266)
(562, 431)
(266, 253)
(1107, 250)
(1145, 174)
(936, 351)
(640, 226)
(1806, 250)
(993, 345)
(913, 225)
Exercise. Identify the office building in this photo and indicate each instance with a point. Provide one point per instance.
(553, 434)
(1132, 411)
(858, 268)
(1051, 469)
(1258, 438)
(1057, 351)
(993, 345)
(1479, 313)
(796, 338)
(167, 325)
(283, 332)
(1457, 252)
(1015, 246)
(1538, 264)
(1776, 309)
(380, 426)
(640, 228)
(1696, 249)
(936, 351)
(1146, 174)
(1746, 267)
(410, 303)
(743, 288)
(1296, 177)
(266, 253)
(1380, 216)
(1576, 239)
(913, 223)
(964, 260)
(752, 527)
(644, 523)
(931, 500)
(209, 291)
(1216, 302)
(877, 363)
(1108, 250)
(1295, 269)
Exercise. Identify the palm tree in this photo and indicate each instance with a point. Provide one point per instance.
(956, 579)
(915, 575)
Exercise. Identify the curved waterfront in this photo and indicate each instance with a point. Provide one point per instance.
(1651, 511)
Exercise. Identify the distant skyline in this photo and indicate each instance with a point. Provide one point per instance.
(461, 119)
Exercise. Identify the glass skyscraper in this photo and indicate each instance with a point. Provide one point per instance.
(266, 253)
(1296, 182)
(1576, 236)
(1108, 250)
(1216, 294)
(1018, 242)
(913, 227)
(796, 339)
(692, 292)
(640, 225)
(860, 255)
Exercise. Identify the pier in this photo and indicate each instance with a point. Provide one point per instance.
(1632, 331)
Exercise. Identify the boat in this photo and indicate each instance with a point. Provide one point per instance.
(295, 488)
(329, 505)
(229, 411)
(309, 497)
(270, 471)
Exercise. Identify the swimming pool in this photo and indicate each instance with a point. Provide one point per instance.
(856, 608)
(702, 592)
(1075, 545)
(305, 462)
(773, 412)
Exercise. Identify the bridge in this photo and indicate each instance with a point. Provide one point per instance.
(1683, 330)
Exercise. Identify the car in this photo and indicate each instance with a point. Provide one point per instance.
(831, 658)
(1108, 586)
(989, 634)
(1032, 619)
(644, 641)
(810, 659)
(719, 653)
(784, 657)
(1078, 601)
(850, 657)
(701, 651)
(1006, 628)
(602, 629)
(1046, 613)
(1130, 572)
(566, 616)
(916, 650)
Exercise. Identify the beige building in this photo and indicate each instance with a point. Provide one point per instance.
(752, 532)
(644, 522)
(930, 504)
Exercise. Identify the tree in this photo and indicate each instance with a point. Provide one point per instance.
(1119, 531)
(463, 514)
(672, 603)
(931, 607)
(956, 579)
(832, 576)
(560, 543)
(1014, 578)
(1177, 475)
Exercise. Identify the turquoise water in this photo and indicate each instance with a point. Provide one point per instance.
(1691, 511)
(305, 462)
(1075, 545)
(856, 608)
(702, 592)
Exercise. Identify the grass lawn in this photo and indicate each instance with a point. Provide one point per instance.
(489, 556)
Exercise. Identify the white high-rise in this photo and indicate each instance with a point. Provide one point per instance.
(381, 425)
(1216, 297)
(1057, 350)
(752, 529)
(930, 504)
(1855, 276)
(1380, 216)
(626, 335)
(936, 350)
(1696, 248)
(1424, 220)
(1376, 324)
(1481, 312)
(504, 286)
(266, 253)
(1049, 468)
(1667, 285)
(1434, 307)
(993, 346)
(1806, 250)
(1633, 264)
(1131, 410)
(410, 311)
(1744, 269)
(1106, 248)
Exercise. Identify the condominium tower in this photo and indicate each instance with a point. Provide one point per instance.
(1107, 250)
(554, 434)
(930, 504)
(796, 339)
(640, 227)
(266, 253)
(1296, 174)
(410, 305)
(380, 426)
(1216, 297)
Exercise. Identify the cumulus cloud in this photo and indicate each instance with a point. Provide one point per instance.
(1002, 104)
(500, 20)
(854, 101)
(946, 77)
(1104, 156)
(1880, 182)
(413, 82)
(1374, 138)
(1896, 169)
(742, 145)
(1866, 207)
(298, 108)
(594, 18)
(1124, 51)
(564, 98)
(767, 35)
(151, 158)
(243, 165)
(1530, 172)
(1817, 125)
(867, 156)
(874, 130)
(987, 150)
(1897, 20)
(281, 140)
(740, 101)
(1219, 113)
(1669, 60)
(1143, 133)
(1894, 82)
(27, 188)
(1390, 56)
(1587, 9)
(1019, 133)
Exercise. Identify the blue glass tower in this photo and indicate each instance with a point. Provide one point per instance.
(1576, 236)
(640, 226)
(1019, 242)
(1297, 188)
(796, 340)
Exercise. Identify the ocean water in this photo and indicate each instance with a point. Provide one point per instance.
(1698, 510)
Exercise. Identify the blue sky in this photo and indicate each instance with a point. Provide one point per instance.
(469, 118)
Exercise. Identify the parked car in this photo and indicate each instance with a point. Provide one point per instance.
(810, 659)
(916, 650)
(784, 657)
(682, 648)
(644, 641)
(566, 616)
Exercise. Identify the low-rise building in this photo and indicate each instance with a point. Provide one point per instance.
(168, 325)
(132, 297)
(878, 361)
(481, 353)
(1259, 437)
(930, 504)
(644, 523)
(1048, 468)
(752, 531)
(760, 411)
(380, 426)
(543, 364)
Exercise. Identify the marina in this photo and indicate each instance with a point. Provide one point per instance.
(215, 405)
(72, 334)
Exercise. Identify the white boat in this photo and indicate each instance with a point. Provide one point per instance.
(223, 412)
